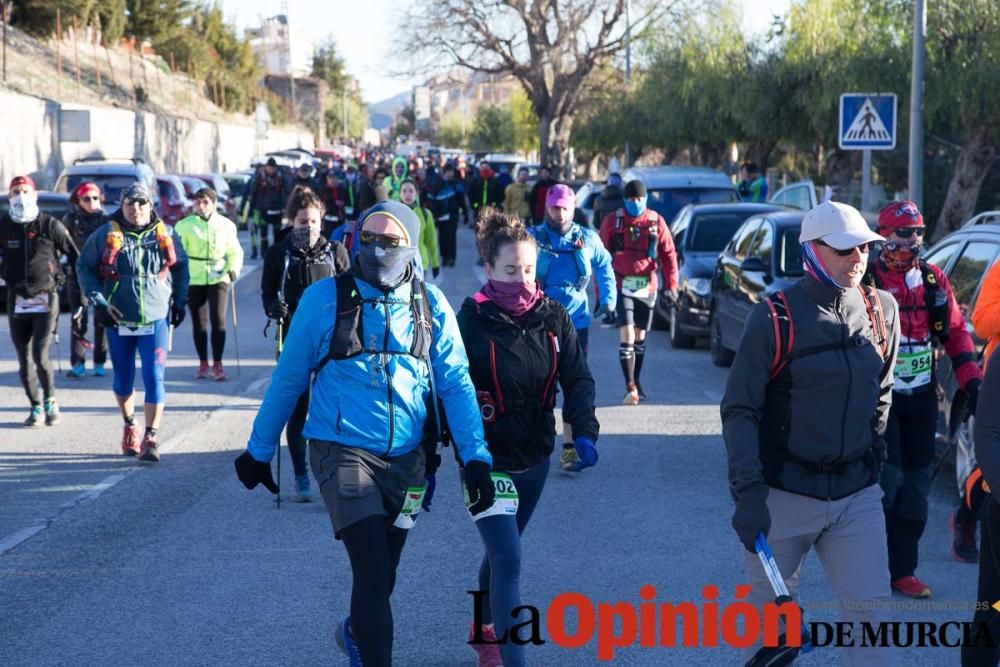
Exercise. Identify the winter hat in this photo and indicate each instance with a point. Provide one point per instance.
(635, 189)
(560, 195)
(21, 180)
(399, 212)
(899, 214)
(135, 191)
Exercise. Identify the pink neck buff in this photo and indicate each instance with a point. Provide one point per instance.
(815, 267)
(513, 298)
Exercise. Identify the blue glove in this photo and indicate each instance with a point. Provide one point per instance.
(429, 494)
(586, 450)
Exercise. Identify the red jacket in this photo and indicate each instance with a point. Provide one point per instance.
(629, 247)
(914, 317)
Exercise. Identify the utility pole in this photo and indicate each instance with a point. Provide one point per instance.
(288, 56)
(628, 69)
(343, 112)
(916, 163)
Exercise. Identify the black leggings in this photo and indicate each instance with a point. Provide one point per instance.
(293, 432)
(34, 331)
(980, 653)
(374, 550)
(78, 353)
(446, 231)
(209, 302)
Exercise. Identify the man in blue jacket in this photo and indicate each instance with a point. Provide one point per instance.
(377, 344)
(569, 256)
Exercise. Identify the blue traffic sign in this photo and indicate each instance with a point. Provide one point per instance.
(868, 121)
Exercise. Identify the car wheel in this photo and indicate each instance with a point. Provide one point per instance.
(678, 338)
(660, 321)
(720, 355)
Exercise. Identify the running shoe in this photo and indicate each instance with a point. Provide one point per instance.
(130, 440)
(149, 451)
(99, 370)
(302, 491)
(217, 373)
(345, 642)
(963, 540)
(642, 394)
(202, 373)
(35, 417)
(489, 654)
(631, 395)
(569, 460)
(51, 412)
(911, 587)
(77, 372)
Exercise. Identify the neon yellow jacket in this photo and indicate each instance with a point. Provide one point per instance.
(212, 247)
(428, 238)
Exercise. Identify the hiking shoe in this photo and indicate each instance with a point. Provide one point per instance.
(99, 371)
(345, 642)
(489, 654)
(569, 460)
(77, 372)
(963, 540)
(631, 395)
(148, 451)
(51, 413)
(217, 373)
(911, 587)
(202, 373)
(130, 440)
(302, 494)
(35, 417)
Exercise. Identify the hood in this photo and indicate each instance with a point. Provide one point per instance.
(612, 192)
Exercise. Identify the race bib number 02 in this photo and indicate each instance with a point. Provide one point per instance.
(32, 304)
(411, 507)
(913, 369)
(505, 494)
(636, 286)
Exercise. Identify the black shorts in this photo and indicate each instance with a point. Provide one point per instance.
(633, 311)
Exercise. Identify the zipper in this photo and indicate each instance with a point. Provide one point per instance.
(554, 346)
(496, 380)
(141, 277)
(847, 397)
(388, 376)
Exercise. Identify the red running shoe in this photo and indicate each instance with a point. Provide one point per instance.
(489, 654)
(911, 587)
(202, 373)
(130, 440)
(217, 373)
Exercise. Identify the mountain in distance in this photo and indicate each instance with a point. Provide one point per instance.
(380, 114)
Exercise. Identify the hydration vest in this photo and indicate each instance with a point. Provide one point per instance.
(635, 232)
(115, 239)
(935, 301)
(547, 254)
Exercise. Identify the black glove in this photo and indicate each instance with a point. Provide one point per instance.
(177, 314)
(253, 472)
(278, 311)
(480, 486)
(435, 271)
(972, 392)
(108, 314)
(751, 516)
(232, 277)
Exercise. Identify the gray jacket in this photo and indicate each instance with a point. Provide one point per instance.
(816, 429)
(987, 430)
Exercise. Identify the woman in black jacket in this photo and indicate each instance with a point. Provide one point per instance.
(298, 259)
(86, 215)
(520, 344)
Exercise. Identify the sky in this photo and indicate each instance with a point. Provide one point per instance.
(363, 30)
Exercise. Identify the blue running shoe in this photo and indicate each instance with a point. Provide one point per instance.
(302, 491)
(77, 372)
(346, 643)
(99, 370)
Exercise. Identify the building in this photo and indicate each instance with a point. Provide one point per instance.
(461, 92)
(309, 100)
(280, 48)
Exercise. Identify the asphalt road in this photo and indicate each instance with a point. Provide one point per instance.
(105, 561)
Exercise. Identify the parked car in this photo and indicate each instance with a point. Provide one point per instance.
(801, 195)
(586, 197)
(174, 202)
(112, 176)
(763, 256)
(226, 202)
(671, 188)
(57, 205)
(700, 232)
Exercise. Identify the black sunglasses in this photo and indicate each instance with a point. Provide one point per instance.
(907, 232)
(864, 247)
(384, 240)
(140, 202)
(90, 199)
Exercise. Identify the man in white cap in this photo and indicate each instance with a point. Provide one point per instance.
(803, 416)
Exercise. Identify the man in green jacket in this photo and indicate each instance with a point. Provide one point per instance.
(215, 260)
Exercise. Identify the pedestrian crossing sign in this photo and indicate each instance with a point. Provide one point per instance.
(868, 121)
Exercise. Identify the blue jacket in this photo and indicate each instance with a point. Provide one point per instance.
(354, 402)
(140, 293)
(566, 265)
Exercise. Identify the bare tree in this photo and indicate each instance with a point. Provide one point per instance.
(550, 46)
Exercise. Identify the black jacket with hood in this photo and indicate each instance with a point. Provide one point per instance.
(514, 365)
(29, 254)
(322, 260)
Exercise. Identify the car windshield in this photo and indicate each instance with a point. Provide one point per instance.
(710, 232)
(110, 185)
(791, 253)
(668, 201)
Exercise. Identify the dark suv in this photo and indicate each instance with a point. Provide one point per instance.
(700, 232)
(762, 257)
(112, 176)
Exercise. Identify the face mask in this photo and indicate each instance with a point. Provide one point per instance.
(304, 238)
(24, 207)
(900, 256)
(385, 268)
(635, 208)
(513, 298)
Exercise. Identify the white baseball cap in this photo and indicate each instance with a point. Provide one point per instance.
(838, 225)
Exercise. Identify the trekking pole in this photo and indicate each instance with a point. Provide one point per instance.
(236, 329)
(55, 336)
(958, 416)
(170, 338)
(280, 346)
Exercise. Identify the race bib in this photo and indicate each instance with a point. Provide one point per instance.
(913, 369)
(331, 218)
(505, 497)
(29, 305)
(135, 330)
(275, 212)
(411, 507)
(348, 210)
(636, 286)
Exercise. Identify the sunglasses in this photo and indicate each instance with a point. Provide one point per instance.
(140, 202)
(384, 240)
(863, 248)
(90, 199)
(907, 232)
(893, 246)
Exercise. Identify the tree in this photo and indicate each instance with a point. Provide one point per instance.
(493, 129)
(550, 46)
(329, 66)
(524, 121)
(156, 20)
(450, 133)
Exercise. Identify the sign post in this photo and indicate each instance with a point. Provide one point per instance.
(867, 123)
